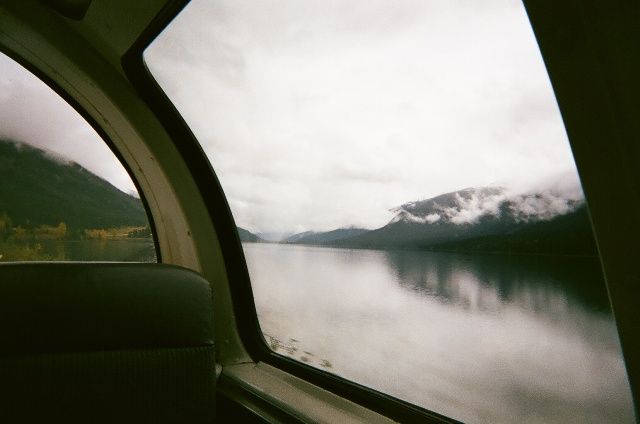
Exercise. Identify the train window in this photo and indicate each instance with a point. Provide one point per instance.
(410, 210)
(64, 195)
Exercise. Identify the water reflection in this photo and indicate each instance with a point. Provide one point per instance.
(479, 338)
(109, 250)
(488, 282)
(138, 250)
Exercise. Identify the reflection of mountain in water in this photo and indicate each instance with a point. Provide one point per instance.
(531, 335)
(489, 282)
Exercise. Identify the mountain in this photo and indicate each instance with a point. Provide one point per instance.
(37, 188)
(564, 234)
(274, 236)
(487, 219)
(327, 237)
(246, 235)
(294, 238)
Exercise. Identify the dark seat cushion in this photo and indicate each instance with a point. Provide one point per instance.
(74, 307)
(174, 385)
(105, 343)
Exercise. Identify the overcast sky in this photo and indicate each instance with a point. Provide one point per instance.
(323, 114)
(31, 112)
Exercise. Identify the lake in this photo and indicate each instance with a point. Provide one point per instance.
(118, 250)
(479, 338)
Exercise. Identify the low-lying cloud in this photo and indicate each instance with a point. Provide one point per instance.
(32, 113)
(317, 117)
(544, 200)
(334, 113)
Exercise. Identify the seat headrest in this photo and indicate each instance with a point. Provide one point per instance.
(76, 307)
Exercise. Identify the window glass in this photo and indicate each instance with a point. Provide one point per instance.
(410, 211)
(64, 196)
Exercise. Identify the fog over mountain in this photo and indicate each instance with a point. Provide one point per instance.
(470, 205)
(327, 237)
(33, 113)
(274, 236)
(537, 201)
(490, 219)
(246, 235)
(39, 187)
(323, 115)
(335, 116)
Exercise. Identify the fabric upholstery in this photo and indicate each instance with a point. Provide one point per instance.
(105, 343)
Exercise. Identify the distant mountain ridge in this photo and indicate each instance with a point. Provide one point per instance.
(312, 237)
(488, 219)
(273, 236)
(469, 205)
(246, 235)
(40, 188)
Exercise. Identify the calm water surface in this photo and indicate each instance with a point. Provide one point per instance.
(109, 250)
(487, 339)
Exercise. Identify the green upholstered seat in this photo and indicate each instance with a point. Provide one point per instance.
(101, 342)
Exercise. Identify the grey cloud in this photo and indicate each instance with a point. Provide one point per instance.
(331, 113)
(542, 200)
(32, 113)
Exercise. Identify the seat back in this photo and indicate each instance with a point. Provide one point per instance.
(104, 342)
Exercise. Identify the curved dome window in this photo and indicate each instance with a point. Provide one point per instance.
(64, 195)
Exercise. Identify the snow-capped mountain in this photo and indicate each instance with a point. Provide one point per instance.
(548, 220)
(471, 205)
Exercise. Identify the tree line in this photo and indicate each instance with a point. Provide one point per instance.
(25, 232)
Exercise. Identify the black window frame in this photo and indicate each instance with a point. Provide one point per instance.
(540, 14)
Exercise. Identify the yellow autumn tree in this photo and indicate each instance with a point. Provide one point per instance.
(5, 224)
(60, 231)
